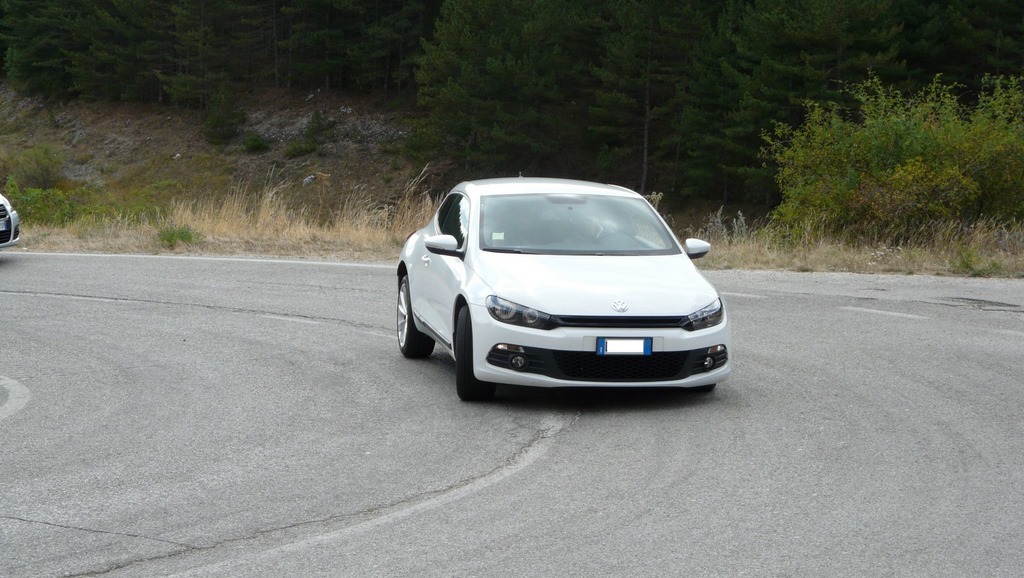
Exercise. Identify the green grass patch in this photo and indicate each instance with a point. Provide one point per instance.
(50, 206)
(255, 143)
(969, 262)
(300, 148)
(39, 166)
(55, 206)
(173, 235)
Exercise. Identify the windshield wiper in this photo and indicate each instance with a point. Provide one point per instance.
(509, 250)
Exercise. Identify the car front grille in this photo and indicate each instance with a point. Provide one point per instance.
(588, 366)
(6, 234)
(605, 321)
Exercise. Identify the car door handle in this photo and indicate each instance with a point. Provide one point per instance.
(425, 259)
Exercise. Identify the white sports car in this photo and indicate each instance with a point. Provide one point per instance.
(555, 283)
(9, 224)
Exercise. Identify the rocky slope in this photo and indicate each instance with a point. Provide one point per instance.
(124, 147)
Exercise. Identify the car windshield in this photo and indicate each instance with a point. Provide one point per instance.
(570, 224)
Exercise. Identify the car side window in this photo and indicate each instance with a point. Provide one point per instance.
(453, 218)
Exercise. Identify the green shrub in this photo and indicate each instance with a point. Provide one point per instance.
(171, 235)
(55, 206)
(39, 166)
(968, 262)
(254, 143)
(298, 148)
(317, 130)
(223, 118)
(45, 206)
(901, 163)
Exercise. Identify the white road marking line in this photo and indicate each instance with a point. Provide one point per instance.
(743, 295)
(385, 335)
(228, 259)
(309, 321)
(375, 333)
(549, 428)
(17, 396)
(881, 312)
(79, 297)
(1009, 332)
(295, 319)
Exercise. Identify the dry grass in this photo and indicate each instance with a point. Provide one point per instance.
(141, 156)
(984, 249)
(358, 226)
(361, 226)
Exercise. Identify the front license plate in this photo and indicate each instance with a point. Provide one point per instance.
(3, 225)
(617, 346)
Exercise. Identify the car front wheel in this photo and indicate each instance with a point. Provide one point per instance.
(411, 341)
(467, 385)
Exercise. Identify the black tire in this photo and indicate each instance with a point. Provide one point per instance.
(413, 343)
(467, 385)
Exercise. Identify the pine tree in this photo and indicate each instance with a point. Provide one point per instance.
(705, 99)
(383, 55)
(506, 83)
(39, 36)
(960, 40)
(206, 37)
(781, 55)
(250, 30)
(318, 37)
(3, 39)
(125, 44)
(648, 47)
(992, 40)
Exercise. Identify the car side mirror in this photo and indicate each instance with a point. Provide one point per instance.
(695, 248)
(443, 245)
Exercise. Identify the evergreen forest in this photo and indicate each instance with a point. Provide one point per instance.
(690, 98)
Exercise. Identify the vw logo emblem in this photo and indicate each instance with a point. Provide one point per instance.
(620, 306)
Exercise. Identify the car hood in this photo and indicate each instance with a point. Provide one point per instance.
(588, 285)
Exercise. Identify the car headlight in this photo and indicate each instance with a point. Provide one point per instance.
(707, 317)
(516, 314)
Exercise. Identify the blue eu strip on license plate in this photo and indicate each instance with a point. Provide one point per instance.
(624, 346)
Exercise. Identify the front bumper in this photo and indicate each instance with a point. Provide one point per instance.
(567, 356)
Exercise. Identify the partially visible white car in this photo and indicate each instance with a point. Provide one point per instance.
(9, 224)
(554, 283)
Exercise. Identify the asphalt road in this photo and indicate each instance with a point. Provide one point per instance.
(232, 417)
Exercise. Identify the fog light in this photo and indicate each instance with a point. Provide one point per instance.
(518, 362)
(709, 362)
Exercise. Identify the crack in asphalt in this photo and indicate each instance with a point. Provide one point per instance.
(95, 531)
(959, 302)
(375, 516)
(345, 322)
(983, 304)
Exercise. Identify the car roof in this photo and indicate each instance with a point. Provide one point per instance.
(536, 185)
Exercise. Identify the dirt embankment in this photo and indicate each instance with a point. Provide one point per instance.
(127, 147)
